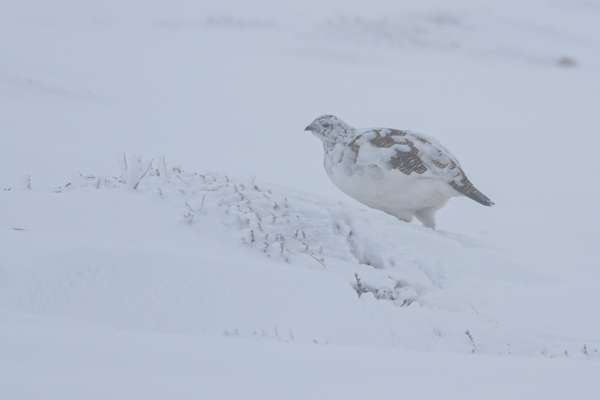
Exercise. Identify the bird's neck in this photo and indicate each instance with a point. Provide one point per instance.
(342, 135)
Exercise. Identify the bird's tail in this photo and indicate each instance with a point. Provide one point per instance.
(468, 189)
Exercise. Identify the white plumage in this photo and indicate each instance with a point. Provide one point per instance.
(402, 173)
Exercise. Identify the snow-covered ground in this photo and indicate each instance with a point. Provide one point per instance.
(222, 263)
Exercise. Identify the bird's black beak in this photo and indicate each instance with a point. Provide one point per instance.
(309, 128)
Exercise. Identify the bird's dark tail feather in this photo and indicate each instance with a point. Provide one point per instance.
(468, 189)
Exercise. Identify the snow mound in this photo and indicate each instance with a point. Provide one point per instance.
(244, 258)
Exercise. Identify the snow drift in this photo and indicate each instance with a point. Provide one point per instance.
(159, 248)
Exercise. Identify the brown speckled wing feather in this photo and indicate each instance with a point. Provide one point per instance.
(437, 160)
(406, 162)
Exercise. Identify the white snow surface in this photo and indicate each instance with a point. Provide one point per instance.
(222, 263)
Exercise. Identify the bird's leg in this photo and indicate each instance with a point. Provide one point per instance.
(427, 217)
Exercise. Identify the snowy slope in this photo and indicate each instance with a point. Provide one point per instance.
(190, 282)
(245, 265)
(161, 249)
(96, 363)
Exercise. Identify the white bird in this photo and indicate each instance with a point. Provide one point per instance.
(403, 173)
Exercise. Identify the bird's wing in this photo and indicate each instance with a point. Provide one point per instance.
(414, 153)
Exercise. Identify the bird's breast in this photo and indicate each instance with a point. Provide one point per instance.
(387, 190)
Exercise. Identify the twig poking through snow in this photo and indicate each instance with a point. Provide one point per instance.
(472, 341)
(585, 351)
(124, 167)
(137, 183)
(26, 182)
(200, 210)
(320, 261)
(165, 170)
(358, 286)
(189, 215)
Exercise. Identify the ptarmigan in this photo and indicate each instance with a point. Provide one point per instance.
(400, 172)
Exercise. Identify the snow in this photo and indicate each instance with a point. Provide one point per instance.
(159, 365)
(244, 272)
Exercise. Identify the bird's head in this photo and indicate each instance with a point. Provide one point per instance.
(329, 128)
